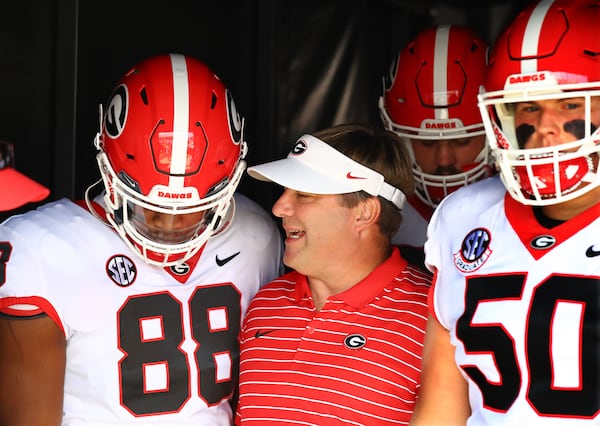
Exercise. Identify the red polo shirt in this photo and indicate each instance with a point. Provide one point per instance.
(357, 361)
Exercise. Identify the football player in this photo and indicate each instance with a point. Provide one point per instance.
(430, 101)
(129, 312)
(514, 333)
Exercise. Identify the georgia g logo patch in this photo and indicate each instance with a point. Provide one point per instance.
(474, 250)
(543, 242)
(355, 341)
(116, 112)
(299, 147)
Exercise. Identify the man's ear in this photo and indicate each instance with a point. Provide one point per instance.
(368, 212)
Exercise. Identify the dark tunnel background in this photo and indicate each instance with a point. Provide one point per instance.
(292, 66)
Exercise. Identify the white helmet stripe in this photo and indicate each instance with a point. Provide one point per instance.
(181, 105)
(531, 37)
(440, 70)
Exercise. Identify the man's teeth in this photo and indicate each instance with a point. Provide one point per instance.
(295, 234)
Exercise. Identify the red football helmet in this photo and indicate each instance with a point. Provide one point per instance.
(550, 51)
(431, 94)
(171, 143)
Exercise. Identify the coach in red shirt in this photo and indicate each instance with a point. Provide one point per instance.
(338, 340)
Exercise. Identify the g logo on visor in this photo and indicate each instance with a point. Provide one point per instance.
(299, 148)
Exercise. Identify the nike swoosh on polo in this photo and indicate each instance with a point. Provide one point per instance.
(221, 262)
(261, 333)
(590, 252)
(349, 175)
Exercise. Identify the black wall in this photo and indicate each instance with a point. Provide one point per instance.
(293, 67)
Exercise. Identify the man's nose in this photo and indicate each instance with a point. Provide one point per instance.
(444, 154)
(165, 221)
(282, 206)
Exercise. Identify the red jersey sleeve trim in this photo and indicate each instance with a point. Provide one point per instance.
(42, 306)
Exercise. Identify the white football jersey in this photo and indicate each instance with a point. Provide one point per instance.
(413, 229)
(521, 303)
(145, 345)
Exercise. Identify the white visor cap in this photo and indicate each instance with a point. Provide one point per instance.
(312, 166)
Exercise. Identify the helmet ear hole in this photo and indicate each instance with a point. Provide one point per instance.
(144, 96)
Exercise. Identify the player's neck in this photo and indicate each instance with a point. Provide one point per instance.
(572, 208)
(545, 221)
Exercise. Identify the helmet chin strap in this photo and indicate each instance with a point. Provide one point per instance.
(223, 222)
(89, 202)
